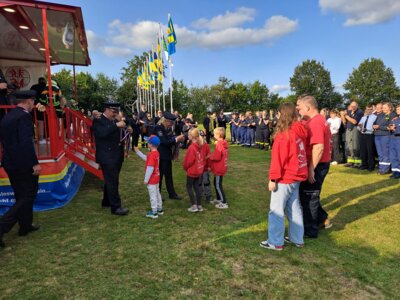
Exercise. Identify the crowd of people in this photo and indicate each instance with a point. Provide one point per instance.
(305, 142)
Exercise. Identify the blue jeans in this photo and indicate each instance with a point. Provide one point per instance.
(285, 198)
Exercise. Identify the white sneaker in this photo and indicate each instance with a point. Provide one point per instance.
(222, 205)
(334, 163)
(200, 208)
(193, 209)
(215, 201)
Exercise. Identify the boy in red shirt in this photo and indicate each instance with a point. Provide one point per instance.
(219, 166)
(152, 176)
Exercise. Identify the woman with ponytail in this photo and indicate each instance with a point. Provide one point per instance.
(287, 169)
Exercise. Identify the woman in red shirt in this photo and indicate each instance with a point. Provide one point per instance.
(288, 168)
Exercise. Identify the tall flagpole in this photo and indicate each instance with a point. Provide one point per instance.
(170, 83)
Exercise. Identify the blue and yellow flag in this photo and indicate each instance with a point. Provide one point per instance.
(171, 37)
(152, 65)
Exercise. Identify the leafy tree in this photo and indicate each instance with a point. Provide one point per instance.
(180, 96)
(106, 86)
(312, 78)
(259, 96)
(372, 82)
(88, 91)
(65, 81)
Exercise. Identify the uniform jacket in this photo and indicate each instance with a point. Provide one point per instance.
(16, 132)
(289, 158)
(383, 121)
(219, 159)
(109, 148)
(194, 160)
(167, 142)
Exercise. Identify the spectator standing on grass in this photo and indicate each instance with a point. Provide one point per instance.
(288, 168)
(318, 157)
(206, 125)
(152, 176)
(221, 120)
(394, 128)
(382, 137)
(351, 118)
(367, 145)
(20, 163)
(219, 166)
(193, 164)
(334, 125)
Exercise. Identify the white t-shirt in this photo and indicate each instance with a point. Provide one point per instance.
(334, 124)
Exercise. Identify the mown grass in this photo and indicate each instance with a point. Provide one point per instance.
(82, 251)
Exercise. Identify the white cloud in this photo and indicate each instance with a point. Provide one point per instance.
(229, 19)
(278, 88)
(218, 32)
(95, 42)
(98, 43)
(116, 51)
(363, 12)
(141, 35)
(136, 36)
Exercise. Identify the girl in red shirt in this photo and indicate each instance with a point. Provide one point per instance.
(288, 168)
(194, 163)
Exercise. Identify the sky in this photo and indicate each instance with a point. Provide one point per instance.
(245, 40)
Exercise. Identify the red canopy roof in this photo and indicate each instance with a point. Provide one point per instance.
(22, 38)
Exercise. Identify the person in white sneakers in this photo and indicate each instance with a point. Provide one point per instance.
(152, 176)
(219, 166)
(193, 164)
(288, 168)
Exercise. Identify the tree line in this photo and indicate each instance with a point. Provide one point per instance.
(370, 82)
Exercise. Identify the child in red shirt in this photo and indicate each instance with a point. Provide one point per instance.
(152, 176)
(219, 166)
(194, 163)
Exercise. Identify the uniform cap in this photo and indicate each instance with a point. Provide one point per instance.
(112, 104)
(22, 95)
(169, 116)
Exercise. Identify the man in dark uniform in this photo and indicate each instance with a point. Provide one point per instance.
(206, 124)
(110, 154)
(21, 164)
(168, 142)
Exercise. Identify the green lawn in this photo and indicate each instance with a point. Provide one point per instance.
(82, 251)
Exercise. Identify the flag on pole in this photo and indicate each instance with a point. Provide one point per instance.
(171, 37)
(164, 45)
(152, 65)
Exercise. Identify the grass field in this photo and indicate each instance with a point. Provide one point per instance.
(82, 251)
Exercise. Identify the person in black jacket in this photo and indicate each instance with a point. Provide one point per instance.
(206, 124)
(20, 163)
(168, 144)
(108, 132)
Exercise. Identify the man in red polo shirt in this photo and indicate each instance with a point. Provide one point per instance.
(318, 155)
